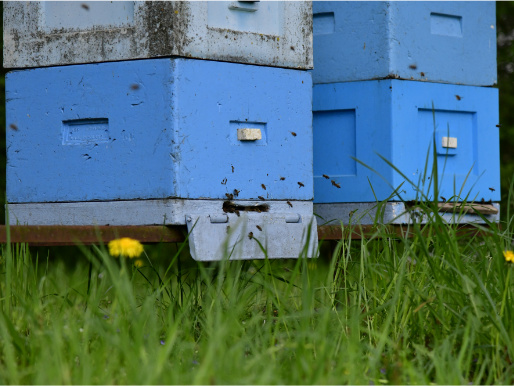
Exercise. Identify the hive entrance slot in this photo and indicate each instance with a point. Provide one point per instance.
(231, 207)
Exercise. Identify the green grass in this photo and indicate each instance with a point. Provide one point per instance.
(436, 307)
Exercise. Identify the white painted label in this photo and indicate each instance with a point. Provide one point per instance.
(249, 134)
(450, 142)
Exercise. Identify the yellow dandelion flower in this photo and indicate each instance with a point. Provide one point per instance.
(509, 256)
(125, 247)
(138, 263)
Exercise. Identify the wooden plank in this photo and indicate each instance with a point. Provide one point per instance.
(335, 232)
(467, 208)
(51, 235)
(60, 235)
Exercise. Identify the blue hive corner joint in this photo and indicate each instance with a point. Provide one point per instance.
(447, 42)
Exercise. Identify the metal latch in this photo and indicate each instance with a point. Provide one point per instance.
(245, 6)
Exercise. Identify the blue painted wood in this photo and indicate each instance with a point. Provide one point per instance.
(394, 118)
(449, 42)
(158, 128)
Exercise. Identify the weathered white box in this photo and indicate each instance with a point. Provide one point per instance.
(49, 33)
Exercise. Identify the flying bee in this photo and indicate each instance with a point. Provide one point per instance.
(236, 192)
(458, 97)
(301, 185)
(442, 198)
(229, 196)
(325, 176)
(259, 228)
(85, 6)
(261, 198)
(263, 186)
(293, 133)
(232, 168)
(236, 212)
(288, 203)
(336, 184)
(422, 73)
(250, 235)
(13, 126)
(352, 212)
(134, 86)
(492, 189)
(282, 178)
(224, 182)
(413, 67)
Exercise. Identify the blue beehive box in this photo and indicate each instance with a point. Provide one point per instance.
(449, 42)
(158, 128)
(395, 119)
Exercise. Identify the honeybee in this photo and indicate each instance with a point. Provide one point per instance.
(229, 196)
(336, 184)
(282, 178)
(224, 182)
(259, 228)
(13, 126)
(413, 67)
(325, 176)
(263, 186)
(85, 6)
(134, 86)
(458, 97)
(288, 203)
(236, 192)
(301, 185)
(250, 235)
(422, 73)
(442, 198)
(232, 168)
(293, 133)
(261, 198)
(492, 189)
(498, 125)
